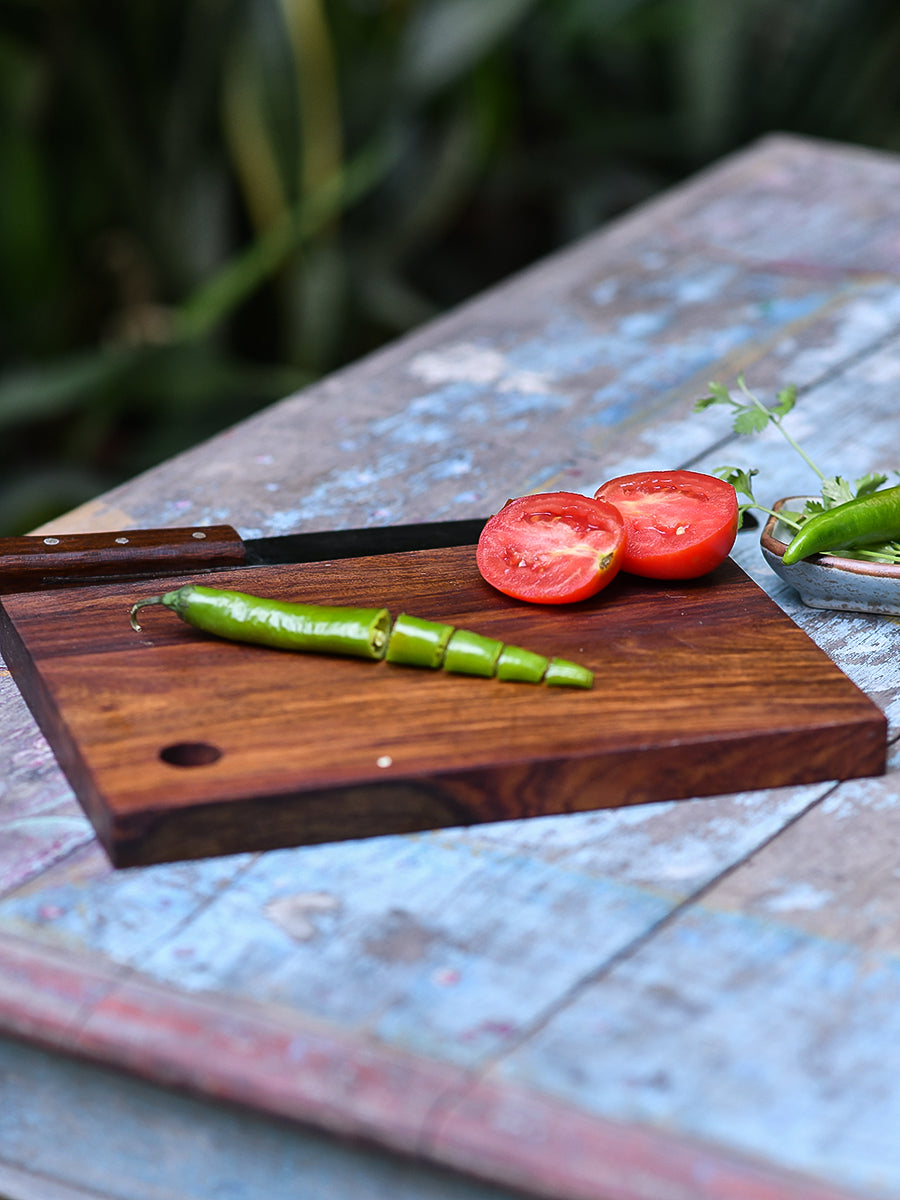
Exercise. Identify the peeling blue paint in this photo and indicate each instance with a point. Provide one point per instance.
(672, 334)
(764, 1077)
(640, 325)
(566, 346)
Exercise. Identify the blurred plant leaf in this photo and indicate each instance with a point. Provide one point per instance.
(317, 92)
(259, 114)
(55, 388)
(28, 499)
(215, 299)
(446, 38)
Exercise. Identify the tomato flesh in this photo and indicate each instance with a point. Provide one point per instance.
(679, 524)
(552, 548)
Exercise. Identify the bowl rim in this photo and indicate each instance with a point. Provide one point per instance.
(833, 562)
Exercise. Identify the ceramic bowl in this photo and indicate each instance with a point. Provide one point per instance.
(826, 581)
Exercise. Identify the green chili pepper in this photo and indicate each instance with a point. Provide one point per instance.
(472, 654)
(562, 673)
(521, 666)
(418, 643)
(358, 632)
(864, 521)
(362, 633)
(524, 666)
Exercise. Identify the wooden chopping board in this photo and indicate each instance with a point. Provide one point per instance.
(179, 745)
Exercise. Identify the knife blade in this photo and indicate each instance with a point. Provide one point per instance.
(33, 562)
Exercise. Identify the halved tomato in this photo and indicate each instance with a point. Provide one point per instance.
(552, 548)
(680, 524)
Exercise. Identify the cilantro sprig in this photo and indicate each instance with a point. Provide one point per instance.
(751, 416)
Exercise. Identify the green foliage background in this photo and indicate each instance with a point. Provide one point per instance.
(205, 204)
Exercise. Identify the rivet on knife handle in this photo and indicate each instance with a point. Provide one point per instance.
(34, 561)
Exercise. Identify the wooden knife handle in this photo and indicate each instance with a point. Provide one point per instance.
(59, 560)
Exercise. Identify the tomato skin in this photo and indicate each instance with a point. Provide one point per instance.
(680, 524)
(552, 548)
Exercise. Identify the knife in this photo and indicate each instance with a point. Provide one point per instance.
(32, 562)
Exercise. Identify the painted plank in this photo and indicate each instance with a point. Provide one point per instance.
(42, 822)
(799, 207)
(17, 1183)
(260, 1061)
(563, 1152)
(247, 1053)
(602, 379)
(436, 944)
(763, 1018)
(160, 1145)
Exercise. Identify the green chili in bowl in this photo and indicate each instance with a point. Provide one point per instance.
(865, 521)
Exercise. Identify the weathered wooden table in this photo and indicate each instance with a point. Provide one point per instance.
(675, 1001)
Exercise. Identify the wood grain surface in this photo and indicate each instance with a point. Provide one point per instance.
(183, 745)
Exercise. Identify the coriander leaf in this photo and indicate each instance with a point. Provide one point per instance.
(751, 420)
(790, 517)
(719, 393)
(836, 491)
(786, 399)
(811, 508)
(742, 509)
(739, 479)
(868, 484)
(887, 552)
